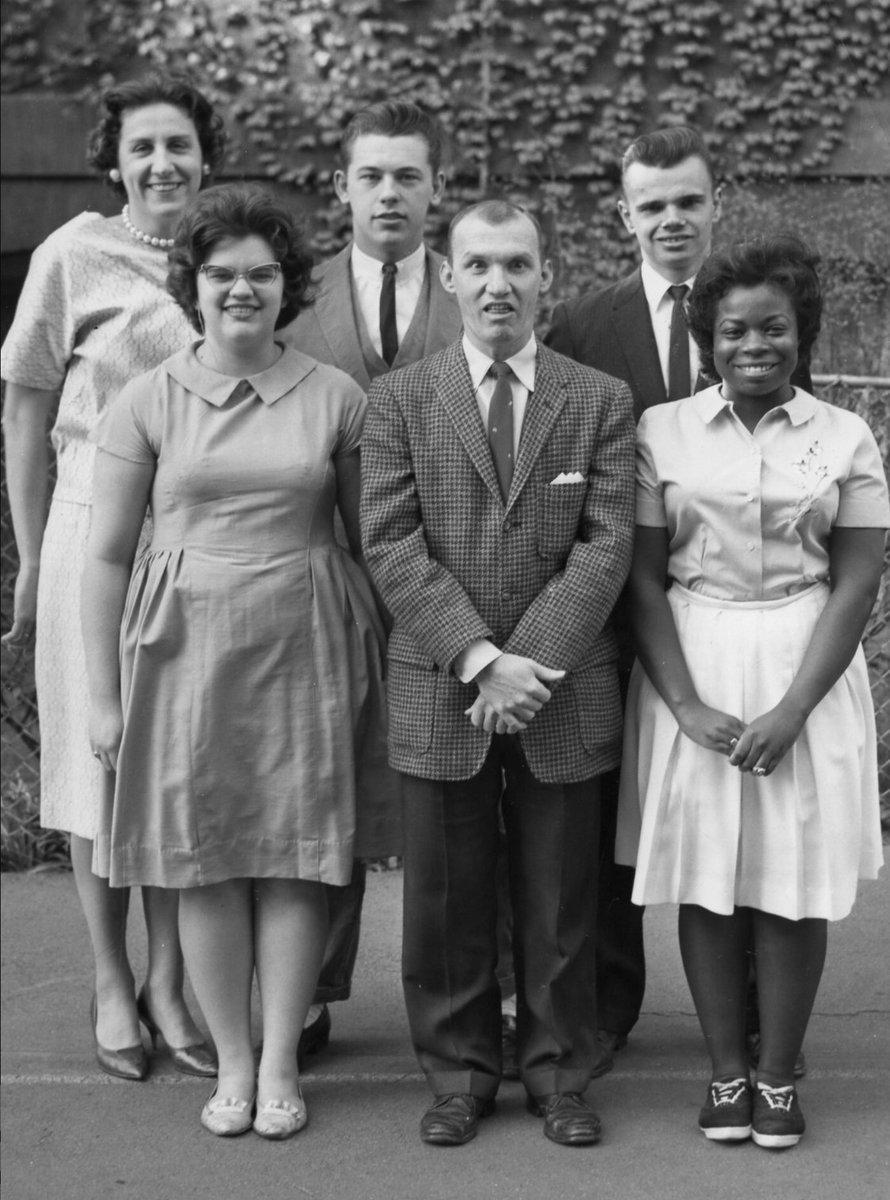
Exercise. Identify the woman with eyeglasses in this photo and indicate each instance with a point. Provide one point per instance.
(94, 312)
(236, 677)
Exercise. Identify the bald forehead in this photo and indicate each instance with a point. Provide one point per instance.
(475, 227)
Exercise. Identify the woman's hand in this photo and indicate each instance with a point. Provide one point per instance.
(766, 741)
(24, 621)
(106, 729)
(709, 727)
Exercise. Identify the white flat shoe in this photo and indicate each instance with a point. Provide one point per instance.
(228, 1116)
(279, 1119)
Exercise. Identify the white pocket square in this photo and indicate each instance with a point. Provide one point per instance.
(571, 477)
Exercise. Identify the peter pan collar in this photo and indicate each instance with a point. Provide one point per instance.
(799, 409)
(270, 385)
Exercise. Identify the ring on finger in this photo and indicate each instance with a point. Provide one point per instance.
(758, 770)
(733, 742)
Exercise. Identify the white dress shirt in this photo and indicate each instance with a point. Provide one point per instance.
(367, 275)
(522, 383)
(480, 653)
(661, 307)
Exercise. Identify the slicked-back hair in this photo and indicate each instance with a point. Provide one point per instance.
(156, 88)
(667, 147)
(239, 210)
(781, 260)
(496, 212)
(395, 118)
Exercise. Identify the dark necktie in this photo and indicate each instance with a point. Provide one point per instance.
(500, 425)
(679, 380)
(389, 334)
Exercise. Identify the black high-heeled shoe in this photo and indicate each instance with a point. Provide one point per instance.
(197, 1059)
(130, 1063)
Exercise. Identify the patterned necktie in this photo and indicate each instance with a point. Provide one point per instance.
(389, 334)
(679, 377)
(500, 425)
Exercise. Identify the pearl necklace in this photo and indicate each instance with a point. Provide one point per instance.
(161, 243)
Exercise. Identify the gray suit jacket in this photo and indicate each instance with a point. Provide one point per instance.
(538, 576)
(329, 332)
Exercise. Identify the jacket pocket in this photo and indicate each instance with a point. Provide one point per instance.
(598, 704)
(559, 518)
(411, 699)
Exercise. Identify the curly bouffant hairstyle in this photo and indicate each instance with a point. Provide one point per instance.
(781, 260)
(156, 88)
(239, 210)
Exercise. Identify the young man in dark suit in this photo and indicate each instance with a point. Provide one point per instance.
(379, 305)
(497, 523)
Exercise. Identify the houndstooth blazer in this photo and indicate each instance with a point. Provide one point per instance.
(538, 576)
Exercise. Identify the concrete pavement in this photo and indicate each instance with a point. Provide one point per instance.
(71, 1132)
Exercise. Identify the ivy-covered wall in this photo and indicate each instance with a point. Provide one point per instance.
(540, 98)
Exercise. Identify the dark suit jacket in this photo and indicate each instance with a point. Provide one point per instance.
(328, 330)
(538, 576)
(611, 330)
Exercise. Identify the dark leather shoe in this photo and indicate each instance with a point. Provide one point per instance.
(316, 1036)
(196, 1059)
(568, 1118)
(130, 1063)
(509, 1062)
(453, 1120)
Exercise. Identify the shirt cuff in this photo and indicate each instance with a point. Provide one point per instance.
(474, 659)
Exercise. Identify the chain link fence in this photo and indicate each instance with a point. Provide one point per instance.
(20, 729)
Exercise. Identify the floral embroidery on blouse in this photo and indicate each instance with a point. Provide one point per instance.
(813, 471)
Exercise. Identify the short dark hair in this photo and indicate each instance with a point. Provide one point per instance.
(496, 212)
(155, 88)
(667, 147)
(783, 261)
(395, 118)
(239, 210)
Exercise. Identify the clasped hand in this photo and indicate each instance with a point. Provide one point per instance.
(512, 691)
(758, 747)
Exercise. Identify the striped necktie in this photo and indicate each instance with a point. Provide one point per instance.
(679, 378)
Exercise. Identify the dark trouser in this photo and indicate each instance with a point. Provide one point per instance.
(620, 961)
(449, 949)
(341, 948)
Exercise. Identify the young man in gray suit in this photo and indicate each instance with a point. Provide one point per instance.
(379, 305)
(390, 176)
(497, 493)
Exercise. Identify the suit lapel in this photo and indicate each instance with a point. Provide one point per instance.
(542, 411)
(336, 316)
(633, 331)
(444, 315)
(454, 391)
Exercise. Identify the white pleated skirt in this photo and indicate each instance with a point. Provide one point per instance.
(795, 842)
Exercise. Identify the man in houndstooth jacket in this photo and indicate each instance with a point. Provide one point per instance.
(500, 578)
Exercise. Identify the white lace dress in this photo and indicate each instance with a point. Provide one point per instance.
(93, 314)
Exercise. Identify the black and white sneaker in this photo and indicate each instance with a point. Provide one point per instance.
(778, 1121)
(726, 1116)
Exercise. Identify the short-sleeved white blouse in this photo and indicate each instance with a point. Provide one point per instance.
(93, 314)
(749, 515)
